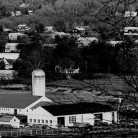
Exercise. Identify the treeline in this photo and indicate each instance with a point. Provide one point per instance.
(98, 57)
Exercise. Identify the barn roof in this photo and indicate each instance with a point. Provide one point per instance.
(17, 100)
(79, 108)
(6, 118)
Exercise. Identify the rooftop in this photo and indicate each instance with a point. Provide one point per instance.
(16, 99)
(6, 118)
(80, 108)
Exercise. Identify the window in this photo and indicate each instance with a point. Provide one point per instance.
(113, 117)
(34, 120)
(30, 120)
(72, 119)
(50, 121)
(38, 120)
(98, 118)
(14, 120)
(46, 121)
(42, 121)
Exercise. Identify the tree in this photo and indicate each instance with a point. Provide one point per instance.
(59, 26)
(111, 23)
(67, 52)
(3, 41)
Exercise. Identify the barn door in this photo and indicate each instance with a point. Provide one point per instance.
(15, 111)
(61, 121)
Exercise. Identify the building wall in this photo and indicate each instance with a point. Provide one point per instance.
(41, 116)
(14, 123)
(12, 56)
(10, 47)
(12, 111)
(8, 74)
(80, 118)
(107, 117)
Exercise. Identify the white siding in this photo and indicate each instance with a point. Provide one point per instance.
(107, 117)
(41, 114)
(6, 110)
(15, 122)
(80, 118)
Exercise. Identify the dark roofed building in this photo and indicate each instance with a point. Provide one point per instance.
(17, 100)
(68, 114)
(79, 108)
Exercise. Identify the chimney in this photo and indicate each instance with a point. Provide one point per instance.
(38, 83)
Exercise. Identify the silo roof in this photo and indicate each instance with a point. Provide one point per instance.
(38, 72)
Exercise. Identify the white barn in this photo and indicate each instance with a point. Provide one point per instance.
(67, 115)
(15, 102)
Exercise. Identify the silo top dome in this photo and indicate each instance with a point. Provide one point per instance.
(38, 72)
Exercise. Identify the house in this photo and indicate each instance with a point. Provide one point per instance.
(77, 32)
(69, 114)
(18, 13)
(30, 12)
(7, 64)
(23, 28)
(11, 47)
(8, 59)
(14, 36)
(85, 41)
(62, 34)
(7, 30)
(49, 28)
(8, 74)
(114, 43)
(130, 30)
(24, 5)
(12, 56)
(10, 120)
(80, 31)
(130, 14)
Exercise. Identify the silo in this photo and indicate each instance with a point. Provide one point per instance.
(38, 82)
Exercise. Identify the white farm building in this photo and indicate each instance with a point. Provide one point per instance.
(67, 115)
(40, 108)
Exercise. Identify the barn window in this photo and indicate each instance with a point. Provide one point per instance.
(42, 121)
(34, 120)
(38, 120)
(46, 121)
(30, 120)
(50, 121)
(72, 119)
(98, 118)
